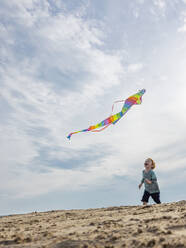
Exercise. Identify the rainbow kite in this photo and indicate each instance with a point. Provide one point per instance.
(112, 119)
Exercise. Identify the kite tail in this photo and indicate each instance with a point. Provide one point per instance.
(84, 130)
(69, 136)
(112, 119)
(103, 124)
(99, 130)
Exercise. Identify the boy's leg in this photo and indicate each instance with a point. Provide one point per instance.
(145, 197)
(156, 197)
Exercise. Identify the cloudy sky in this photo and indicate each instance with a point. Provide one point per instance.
(62, 64)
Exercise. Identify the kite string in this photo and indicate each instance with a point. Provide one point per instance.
(114, 103)
(99, 130)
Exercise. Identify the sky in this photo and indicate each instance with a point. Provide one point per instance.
(62, 65)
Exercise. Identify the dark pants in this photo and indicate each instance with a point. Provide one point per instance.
(155, 197)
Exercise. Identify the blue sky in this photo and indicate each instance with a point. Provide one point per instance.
(62, 64)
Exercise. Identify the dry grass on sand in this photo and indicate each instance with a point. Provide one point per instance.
(125, 226)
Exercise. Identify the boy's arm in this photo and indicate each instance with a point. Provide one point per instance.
(148, 181)
(143, 179)
(153, 178)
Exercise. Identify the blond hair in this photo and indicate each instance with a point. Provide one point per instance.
(153, 163)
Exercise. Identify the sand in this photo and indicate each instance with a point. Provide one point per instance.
(125, 226)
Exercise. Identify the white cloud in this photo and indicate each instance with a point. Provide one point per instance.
(141, 1)
(183, 28)
(135, 67)
(69, 44)
(160, 3)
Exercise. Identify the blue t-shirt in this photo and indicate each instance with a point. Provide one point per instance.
(153, 187)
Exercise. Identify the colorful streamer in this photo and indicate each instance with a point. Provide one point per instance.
(112, 119)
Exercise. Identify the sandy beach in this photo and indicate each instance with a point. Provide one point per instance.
(125, 226)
